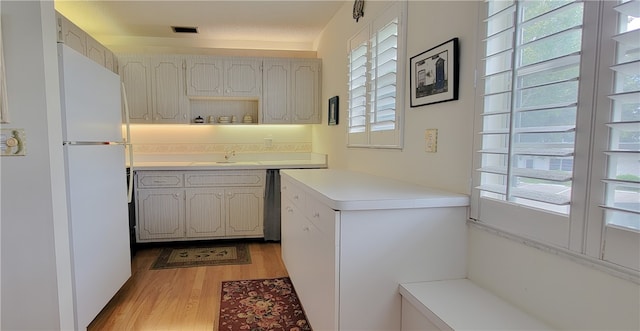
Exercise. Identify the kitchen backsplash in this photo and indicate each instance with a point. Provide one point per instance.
(205, 148)
(207, 139)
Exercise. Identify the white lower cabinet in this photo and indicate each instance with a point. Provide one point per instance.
(347, 260)
(160, 213)
(190, 205)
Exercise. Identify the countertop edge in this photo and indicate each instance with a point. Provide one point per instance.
(417, 197)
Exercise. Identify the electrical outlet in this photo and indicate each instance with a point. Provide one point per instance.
(268, 142)
(431, 140)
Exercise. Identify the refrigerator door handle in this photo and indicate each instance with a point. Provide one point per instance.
(91, 143)
(128, 141)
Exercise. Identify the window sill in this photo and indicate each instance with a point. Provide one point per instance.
(604, 266)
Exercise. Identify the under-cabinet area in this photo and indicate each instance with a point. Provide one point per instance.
(165, 88)
(194, 205)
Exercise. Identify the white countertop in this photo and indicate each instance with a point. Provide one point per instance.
(348, 190)
(283, 161)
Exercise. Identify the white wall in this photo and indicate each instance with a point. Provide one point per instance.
(32, 186)
(565, 294)
(449, 168)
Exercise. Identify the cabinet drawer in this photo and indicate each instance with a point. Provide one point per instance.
(293, 193)
(323, 217)
(159, 179)
(254, 178)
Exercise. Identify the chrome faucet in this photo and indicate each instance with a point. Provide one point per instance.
(229, 154)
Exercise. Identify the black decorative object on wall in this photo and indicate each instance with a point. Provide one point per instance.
(333, 110)
(358, 9)
(434, 74)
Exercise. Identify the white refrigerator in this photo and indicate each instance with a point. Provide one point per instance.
(94, 153)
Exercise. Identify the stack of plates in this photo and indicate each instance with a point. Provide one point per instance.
(247, 119)
(224, 119)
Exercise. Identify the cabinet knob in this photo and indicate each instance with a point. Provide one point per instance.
(219, 195)
(316, 215)
(296, 197)
(306, 229)
(176, 195)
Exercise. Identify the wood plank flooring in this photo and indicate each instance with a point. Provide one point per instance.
(181, 298)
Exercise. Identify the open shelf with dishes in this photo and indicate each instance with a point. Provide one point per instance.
(224, 111)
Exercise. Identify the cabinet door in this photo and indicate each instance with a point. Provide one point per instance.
(97, 52)
(169, 101)
(245, 211)
(71, 35)
(205, 76)
(242, 77)
(160, 214)
(205, 212)
(276, 94)
(135, 75)
(305, 90)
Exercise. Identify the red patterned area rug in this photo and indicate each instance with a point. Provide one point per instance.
(261, 305)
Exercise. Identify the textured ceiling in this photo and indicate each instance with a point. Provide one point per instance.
(270, 25)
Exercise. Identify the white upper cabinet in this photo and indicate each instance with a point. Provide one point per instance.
(74, 37)
(291, 91)
(223, 77)
(305, 96)
(136, 77)
(276, 96)
(100, 54)
(155, 88)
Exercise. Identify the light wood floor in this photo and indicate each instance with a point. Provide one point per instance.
(181, 298)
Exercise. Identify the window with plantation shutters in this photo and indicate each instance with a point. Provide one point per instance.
(621, 204)
(557, 150)
(376, 75)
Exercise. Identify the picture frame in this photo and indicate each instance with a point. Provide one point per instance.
(434, 74)
(333, 110)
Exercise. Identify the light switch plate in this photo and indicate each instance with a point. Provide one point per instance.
(431, 140)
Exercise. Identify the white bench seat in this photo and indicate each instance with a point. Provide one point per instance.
(460, 304)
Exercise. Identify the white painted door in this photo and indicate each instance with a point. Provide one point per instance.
(205, 76)
(167, 90)
(245, 210)
(276, 95)
(136, 76)
(205, 212)
(305, 90)
(243, 77)
(160, 214)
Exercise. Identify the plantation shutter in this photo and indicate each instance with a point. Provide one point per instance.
(384, 65)
(622, 181)
(358, 82)
(376, 75)
(530, 101)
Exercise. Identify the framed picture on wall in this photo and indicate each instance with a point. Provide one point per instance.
(333, 110)
(434, 74)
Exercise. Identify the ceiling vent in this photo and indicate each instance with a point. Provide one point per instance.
(184, 29)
